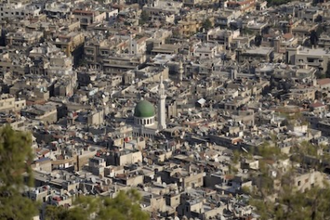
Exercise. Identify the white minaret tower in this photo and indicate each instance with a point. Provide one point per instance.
(161, 105)
(181, 70)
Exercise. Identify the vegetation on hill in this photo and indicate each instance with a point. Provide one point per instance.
(15, 152)
(15, 157)
(293, 204)
(125, 206)
(279, 198)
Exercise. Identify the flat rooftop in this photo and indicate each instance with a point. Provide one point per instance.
(313, 52)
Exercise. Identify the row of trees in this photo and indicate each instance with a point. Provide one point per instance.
(125, 206)
(15, 173)
(291, 204)
(278, 198)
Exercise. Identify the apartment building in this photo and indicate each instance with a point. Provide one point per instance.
(88, 17)
(324, 42)
(224, 17)
(124, 157)
(15, 63)
(317, 58)
(116, 53)
(307, 179)
(242, 5)
(23, 38)
(9, 103)
(68, 42)
(263, 54)
(161, 6)
(45, 113)
(205, 51)
(57, 9)
(223, 37)
(18, 10)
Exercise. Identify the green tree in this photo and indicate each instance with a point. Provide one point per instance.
(207, 24)
(290, 203)
(327, 73)
(125, 206)
(15, 155)
(144, 17)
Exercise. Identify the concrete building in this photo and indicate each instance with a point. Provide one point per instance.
(18, 10)
(317, 58)
(45, 113)
(10, 103)
(125, 157)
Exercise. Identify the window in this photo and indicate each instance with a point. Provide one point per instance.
(310, 60)
(299, 183)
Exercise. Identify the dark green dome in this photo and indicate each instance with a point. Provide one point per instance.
(144, 109)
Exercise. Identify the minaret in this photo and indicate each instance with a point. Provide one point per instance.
(161, 105)
(181, 71)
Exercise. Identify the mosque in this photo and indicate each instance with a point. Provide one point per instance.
(144, 115)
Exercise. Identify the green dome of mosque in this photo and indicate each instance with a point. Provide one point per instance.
(144, 109)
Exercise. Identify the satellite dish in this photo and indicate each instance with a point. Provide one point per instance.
(93, 179)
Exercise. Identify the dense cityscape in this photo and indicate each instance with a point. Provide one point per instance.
(163, 109)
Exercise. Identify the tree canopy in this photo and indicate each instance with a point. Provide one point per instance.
(295, 205)
(144, 18)
(207, 24)
(125, 206)
(15, 154)
(279, 198)
(15, 172)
